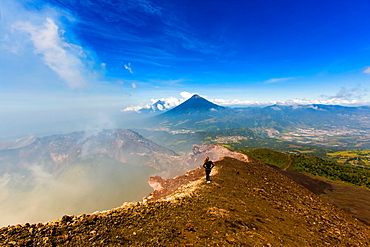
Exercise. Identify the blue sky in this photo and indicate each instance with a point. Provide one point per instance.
(111, 54)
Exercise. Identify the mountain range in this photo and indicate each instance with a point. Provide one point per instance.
(198, 114)
(248, 203)
(57, 152)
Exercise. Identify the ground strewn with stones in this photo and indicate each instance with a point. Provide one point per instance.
(246, 204)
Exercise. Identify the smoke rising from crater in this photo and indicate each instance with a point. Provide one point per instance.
(98, 184)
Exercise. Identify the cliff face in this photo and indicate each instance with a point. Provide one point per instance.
(246, 204)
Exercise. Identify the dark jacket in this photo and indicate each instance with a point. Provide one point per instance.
(208, 165)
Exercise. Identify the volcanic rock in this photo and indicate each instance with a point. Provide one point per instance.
(246, 204)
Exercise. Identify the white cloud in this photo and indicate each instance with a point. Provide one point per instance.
(186, 95)
(63, 58)
(295, 107)
(348, 95)
(276, 80)
(171, 102)
(129, 68)
(165, 103)
(168, 103)
(234, 102)
(133, 85)
(367, 70)
(136, 108)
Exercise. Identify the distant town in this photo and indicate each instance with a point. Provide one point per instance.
(335, 137)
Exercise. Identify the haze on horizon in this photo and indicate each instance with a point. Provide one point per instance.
(75, 65)
(68, 60)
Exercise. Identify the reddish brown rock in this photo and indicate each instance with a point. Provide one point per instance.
(257, 207)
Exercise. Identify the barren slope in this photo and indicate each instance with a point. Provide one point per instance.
(246, 204)
(350, 198)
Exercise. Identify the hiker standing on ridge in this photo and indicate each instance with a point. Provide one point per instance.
(208, 165)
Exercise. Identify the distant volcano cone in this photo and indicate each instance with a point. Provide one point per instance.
(195, 104)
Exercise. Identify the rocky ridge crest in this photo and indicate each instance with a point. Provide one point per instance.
(246, 204)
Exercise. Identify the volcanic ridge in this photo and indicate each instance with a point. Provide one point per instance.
(247, 203)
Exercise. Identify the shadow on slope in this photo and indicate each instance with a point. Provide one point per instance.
(353, 199)
(246, 204)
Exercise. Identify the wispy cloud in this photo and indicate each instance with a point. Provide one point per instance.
(129, 68)
(367, 70)
(189, 39)
(115, 11)
(321, 101)
(167, 82)
(62, 57)
(349, 94)
(146, 6)
(277, 80)
(161, 40)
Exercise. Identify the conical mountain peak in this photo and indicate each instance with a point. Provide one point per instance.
(195, 104)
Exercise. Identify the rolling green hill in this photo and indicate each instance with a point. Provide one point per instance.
(313, 165)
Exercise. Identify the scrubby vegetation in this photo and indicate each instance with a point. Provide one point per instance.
(281, 160)
(313, 165)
